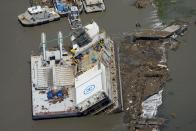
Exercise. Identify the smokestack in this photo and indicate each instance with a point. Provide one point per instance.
(60, 43)
(43, 40)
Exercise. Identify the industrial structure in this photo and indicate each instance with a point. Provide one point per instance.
(76, 82)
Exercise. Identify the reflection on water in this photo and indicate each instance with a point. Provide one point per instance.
(179, 96)
(176, 9)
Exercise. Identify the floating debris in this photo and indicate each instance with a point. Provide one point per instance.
(144, 72)
(142, 3)
(173, 115)
(150, 105)
(171, 31)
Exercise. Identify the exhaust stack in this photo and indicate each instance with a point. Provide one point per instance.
(60, 43)
(43, 40)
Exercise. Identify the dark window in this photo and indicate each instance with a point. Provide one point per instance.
(52, 58)
(64, 54)
(57, 61)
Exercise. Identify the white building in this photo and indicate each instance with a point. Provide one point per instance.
(91, 87)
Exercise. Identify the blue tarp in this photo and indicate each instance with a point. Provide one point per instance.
(62, 7)
(50, 95)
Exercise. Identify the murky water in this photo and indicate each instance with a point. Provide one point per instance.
(18, 42)
(179, 95)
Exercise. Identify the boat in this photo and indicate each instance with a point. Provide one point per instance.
(38, 15)
(93, 5)
(63, 6)
(67, 84)
(74, 18)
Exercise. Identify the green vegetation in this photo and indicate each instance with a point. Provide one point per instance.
(192, 12)
(162, 6)
(174, 9)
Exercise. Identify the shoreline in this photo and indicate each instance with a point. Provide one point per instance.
(153, 75)
(144, 74)
(146, 61)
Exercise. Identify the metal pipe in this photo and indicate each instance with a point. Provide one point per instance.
(60, 43)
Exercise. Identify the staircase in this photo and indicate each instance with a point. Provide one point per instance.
(63, 75)
(42, 78)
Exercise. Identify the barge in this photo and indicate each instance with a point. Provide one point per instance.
(75, 83)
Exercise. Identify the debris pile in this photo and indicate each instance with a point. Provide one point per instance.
(142, 3)
(144, 73)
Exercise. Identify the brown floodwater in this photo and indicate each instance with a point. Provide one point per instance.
(179, 95)
(17, 44)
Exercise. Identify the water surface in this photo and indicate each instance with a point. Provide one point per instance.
(18, 42)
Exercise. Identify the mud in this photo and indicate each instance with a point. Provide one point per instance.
(144, 72)
(142, 3)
